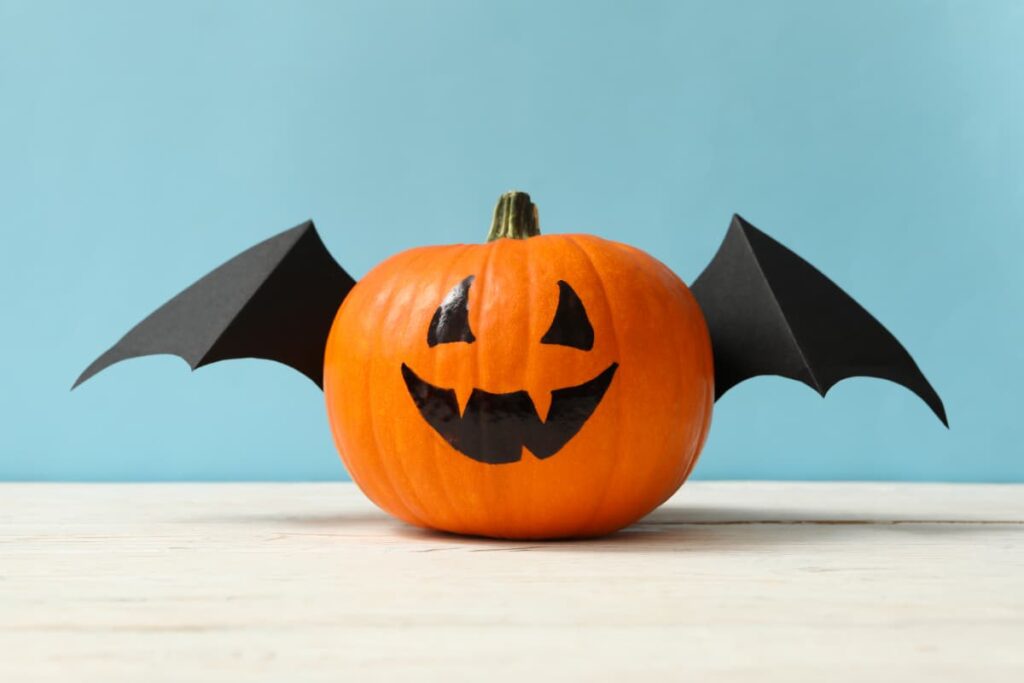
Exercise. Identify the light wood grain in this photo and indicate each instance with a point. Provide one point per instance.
(307, 582)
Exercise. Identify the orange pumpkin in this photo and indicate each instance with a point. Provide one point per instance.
(530, 387)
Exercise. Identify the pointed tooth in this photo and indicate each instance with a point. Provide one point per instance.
(541, 401)
(463, 392)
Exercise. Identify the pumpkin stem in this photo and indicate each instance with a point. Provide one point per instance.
(515, 217)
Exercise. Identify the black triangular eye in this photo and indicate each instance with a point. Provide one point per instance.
(451, 319)
(571, 326)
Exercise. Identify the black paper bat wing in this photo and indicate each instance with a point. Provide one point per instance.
(770, 312)
(275, 301)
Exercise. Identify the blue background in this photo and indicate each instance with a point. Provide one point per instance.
(141, 144)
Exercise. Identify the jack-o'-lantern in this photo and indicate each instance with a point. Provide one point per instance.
(532, 386)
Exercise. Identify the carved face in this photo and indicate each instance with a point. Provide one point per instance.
(559, 385)
(493, 428)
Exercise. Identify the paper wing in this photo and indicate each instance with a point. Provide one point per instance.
(770, 312)
(275, 301)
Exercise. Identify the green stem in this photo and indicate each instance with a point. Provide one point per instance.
(515, 217)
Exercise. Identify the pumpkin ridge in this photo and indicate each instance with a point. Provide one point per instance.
(709, 402)
(383, 497)
(454, 512)
(490, 251)
(412, 483)
(601, 500)
(529, 370)
(385, 463)
(642, 260)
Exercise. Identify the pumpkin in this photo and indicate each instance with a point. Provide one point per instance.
(534, 386)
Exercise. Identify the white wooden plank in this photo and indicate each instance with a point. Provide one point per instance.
(728, 582)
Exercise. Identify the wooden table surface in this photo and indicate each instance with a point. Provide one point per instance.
(296, 582)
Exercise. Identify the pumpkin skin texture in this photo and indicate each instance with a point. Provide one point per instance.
(632, 452)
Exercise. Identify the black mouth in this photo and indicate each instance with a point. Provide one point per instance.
(495, 427)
